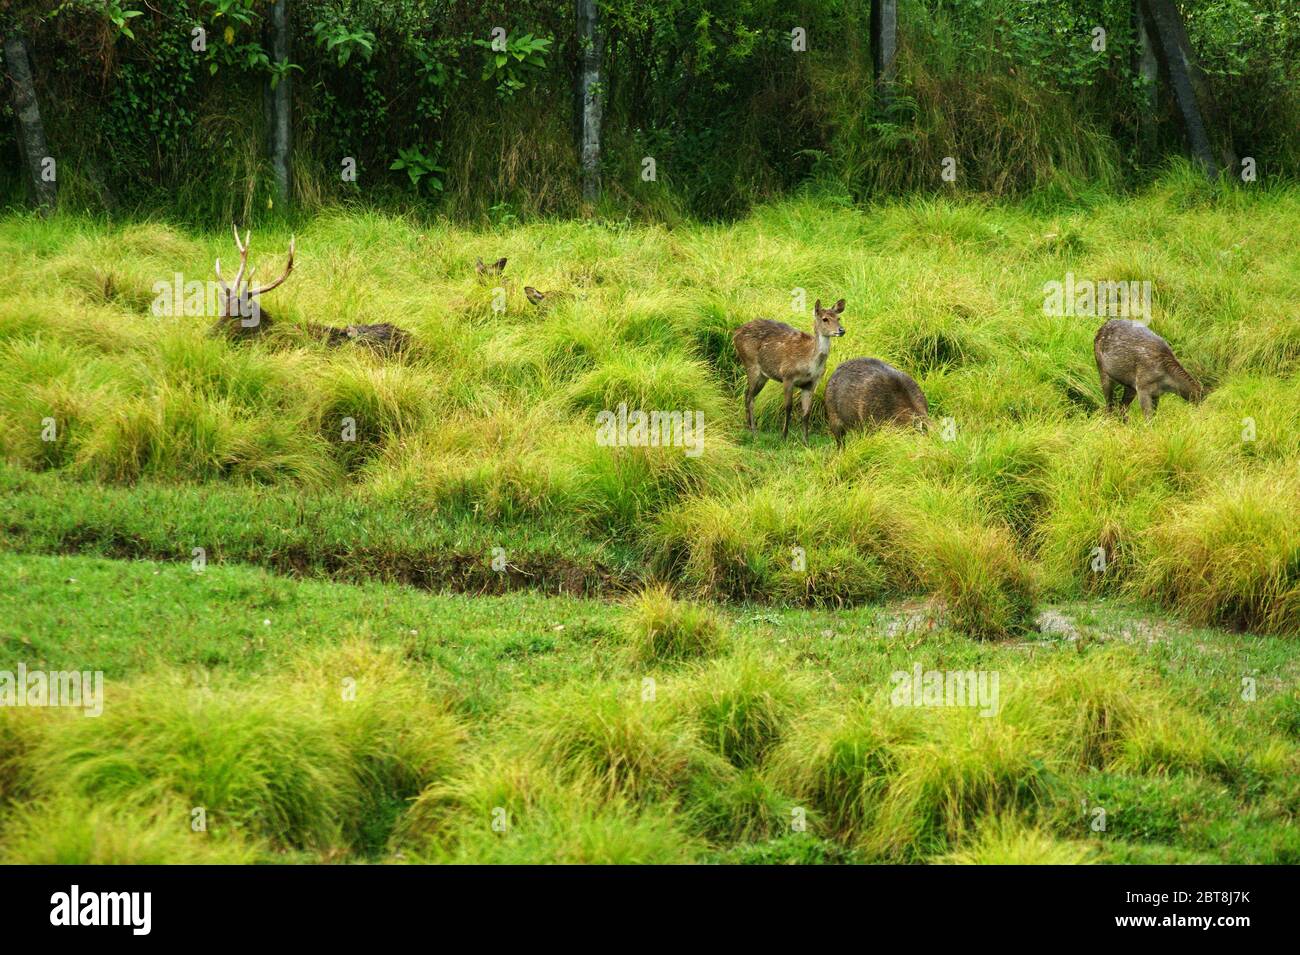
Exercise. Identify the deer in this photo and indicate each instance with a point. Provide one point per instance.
(242, 317)
(1132, 356)
(239, 315)
(486, 270)
(865, 392)
(544, 300)
(774, 351)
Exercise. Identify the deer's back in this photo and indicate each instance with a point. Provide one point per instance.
(1130, 352)
(779, 350)
(869, 391)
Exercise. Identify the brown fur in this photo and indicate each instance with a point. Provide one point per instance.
(865, 392)
(1138, 360)
(774, 351)
(486, 270)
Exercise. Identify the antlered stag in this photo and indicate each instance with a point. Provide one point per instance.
(240, 314)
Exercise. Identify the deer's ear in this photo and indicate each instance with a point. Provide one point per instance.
(501, 264)
(839, 306)
(817, 306)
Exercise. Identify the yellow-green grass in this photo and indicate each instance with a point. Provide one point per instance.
(313, 720)
(489, 425)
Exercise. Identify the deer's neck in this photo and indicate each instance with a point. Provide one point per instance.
(1187, 387)
(823, 346)
(821, 349)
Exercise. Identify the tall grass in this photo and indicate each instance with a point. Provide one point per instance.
(490, 423)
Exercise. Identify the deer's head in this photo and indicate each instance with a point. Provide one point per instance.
(826, 321)
(239, 299)
(487, 269)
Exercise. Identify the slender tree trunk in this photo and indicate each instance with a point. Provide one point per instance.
(884, 41)
(279, 103)
(590, 48)
(1206, 134)
(31, 132)
(1148, 69)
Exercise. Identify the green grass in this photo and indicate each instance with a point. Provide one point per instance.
(516, 728)
(607, 654)
(485, 436)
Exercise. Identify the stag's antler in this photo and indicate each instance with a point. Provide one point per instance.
(244, 276)
(288, 267)
(243, 261)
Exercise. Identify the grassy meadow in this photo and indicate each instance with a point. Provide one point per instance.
(470, 632)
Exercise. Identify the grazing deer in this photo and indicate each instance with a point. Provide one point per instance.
(1131, 355)
(486, 270)
(866, 392)
(774, 350)
(241, 316)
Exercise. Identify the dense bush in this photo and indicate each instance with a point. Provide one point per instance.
(411, 94)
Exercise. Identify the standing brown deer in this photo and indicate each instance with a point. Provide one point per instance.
(1131, 355)
(240, 316)
(774, 350)
(867, 391)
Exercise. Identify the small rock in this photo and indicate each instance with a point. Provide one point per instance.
(1050, 622)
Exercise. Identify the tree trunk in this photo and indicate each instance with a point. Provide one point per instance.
(590, 48)
(279, 104)
(884, 40)
(36, 157)
(1205, 133)
(1148, 69)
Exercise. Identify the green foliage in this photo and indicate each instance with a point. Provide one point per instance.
(420, 165)
(511, 63)
(1021, 95)
(342, 42)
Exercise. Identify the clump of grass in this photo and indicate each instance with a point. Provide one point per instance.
(840, 762)
(73, 830)
(985, 587)
(662, 629)
(967, 767)
(1006, 839)
(303, 763)
(1229, 558)
(786, 541)
(742, 706)
(628, 746)
(512, 812)
(741, 808)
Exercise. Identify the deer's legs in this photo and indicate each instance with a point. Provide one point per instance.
(756, 382)
(805, 400)
(789, 400)
(1148, 400)
(1129, 394)
(1107, 390)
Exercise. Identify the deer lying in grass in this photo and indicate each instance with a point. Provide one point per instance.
(488, 270)
(545, 300)
(1132, 356)
(865, 392)
(242, 317)
(774, 350)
